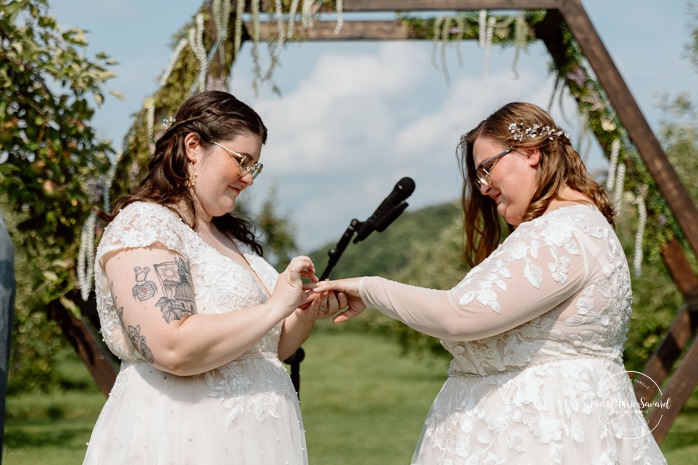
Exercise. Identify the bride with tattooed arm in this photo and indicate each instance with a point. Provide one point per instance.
(199, 320)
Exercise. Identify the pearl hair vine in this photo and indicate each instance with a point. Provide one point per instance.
(519, 131)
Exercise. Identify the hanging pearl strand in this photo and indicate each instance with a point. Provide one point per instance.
(612, 165)
(520, 33)
(436, 34)
(111, 174)
(86, 256)
(280, 27)
(307, 13)
(196, 42)
(255, 51)
(445, 29)
(292, 17)
(618, 192)
(86, 252)
(239, 12)
(175, 56)
(149, 104)
(488, 48)
(482, 28)
(640, 233)
(280, 39)
(221, 11)
(460, 24)
(339, 6)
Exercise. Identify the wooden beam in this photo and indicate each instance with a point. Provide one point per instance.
(351, 30)
(682, 329)
(634, 122)
(437, 5)
(669, 351)
(679, 269)
(363, 6)
(675, 396)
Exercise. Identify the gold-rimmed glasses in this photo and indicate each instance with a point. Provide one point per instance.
(482, 174)
(246, 163)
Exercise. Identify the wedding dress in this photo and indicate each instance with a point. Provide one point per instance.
(536, 332)
(245, 412)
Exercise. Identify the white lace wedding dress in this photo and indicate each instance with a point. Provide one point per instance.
(536, 332)
(245, 412)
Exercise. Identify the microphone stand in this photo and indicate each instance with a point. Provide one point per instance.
(339, 249)
(294, 361)
(335, 253)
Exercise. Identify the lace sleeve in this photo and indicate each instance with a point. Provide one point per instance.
(142, 224)
(539, 266)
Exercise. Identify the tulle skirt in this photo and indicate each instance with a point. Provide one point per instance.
(246, 412)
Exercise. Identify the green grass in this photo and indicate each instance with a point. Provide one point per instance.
(362, 401)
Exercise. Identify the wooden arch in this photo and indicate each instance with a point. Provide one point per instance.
(680, 344)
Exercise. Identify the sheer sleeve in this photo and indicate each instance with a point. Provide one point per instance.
(539, 266)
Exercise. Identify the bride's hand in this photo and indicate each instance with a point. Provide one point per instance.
(289, 292)
(350, 289)
(324, 305)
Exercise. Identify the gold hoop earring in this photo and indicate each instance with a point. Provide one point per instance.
(190, 182)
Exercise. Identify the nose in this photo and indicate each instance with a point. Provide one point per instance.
(247, 179)
(484, 188)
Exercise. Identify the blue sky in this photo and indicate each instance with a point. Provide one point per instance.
(355, 117)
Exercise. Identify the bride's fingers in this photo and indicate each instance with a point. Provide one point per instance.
(342, 300)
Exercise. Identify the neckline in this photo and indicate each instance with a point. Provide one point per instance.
(249, 268)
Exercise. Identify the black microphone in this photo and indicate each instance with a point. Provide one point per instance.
(392, 207)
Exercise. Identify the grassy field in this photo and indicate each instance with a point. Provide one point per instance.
(363, 403)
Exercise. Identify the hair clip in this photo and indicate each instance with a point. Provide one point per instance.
(167, 123)
(519, 131)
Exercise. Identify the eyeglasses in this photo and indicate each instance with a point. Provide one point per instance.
(482, 174)
(246, 163)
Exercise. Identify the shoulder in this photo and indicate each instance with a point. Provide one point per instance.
(144, 210)
(142, 224)
(575, 217)
(582, 224)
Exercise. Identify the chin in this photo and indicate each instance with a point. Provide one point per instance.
(513, 219)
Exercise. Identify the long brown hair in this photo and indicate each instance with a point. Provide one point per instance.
(560, 165)
(213, 115)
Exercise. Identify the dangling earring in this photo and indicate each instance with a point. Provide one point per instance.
(190, 182)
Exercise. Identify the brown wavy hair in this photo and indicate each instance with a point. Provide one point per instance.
(213, 115)
(560, 165)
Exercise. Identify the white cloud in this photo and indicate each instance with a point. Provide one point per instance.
(342, 138)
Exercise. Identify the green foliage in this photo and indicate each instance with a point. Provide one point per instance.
(53, 161)
(278, 233)
(388, 252)
(678, 132)
(466, 25)
(692, 46)
(52, 169)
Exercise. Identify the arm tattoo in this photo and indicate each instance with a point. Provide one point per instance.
(138, 340)
(143, 290)
(134, 333)
(178, 301)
